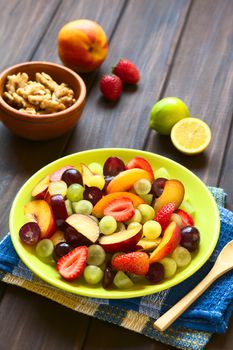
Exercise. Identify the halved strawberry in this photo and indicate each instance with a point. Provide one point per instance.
(121, 209)
(135, 262)
(71, 265)
(164, 214)
(186, 218)
(141, 163)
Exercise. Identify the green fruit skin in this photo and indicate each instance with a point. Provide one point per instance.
(166, 113)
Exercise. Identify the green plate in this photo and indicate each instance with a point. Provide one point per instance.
(206, 219)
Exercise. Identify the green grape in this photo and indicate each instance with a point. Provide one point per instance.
(161, 172)
(96, 255)
(120, 227)
(122, 281)
(44, 248)
(96, 168)
(137, 278)
(148, 198)
(175, 217)
(147, 212)
(133, 225)
(142, 186)
(181, 256)
(170, 267)
(152, 229)
(68, 205)
(82, 207)
(186, 206)
(97, 181)
(75, 192)
(93, 274)
(107, 225)
(136, 218)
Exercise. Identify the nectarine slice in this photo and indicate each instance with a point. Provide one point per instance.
(121, 241)
(126, 179)
(98, 209)
(170, 240)
(39, 191)
(173, 193)
(42, 212)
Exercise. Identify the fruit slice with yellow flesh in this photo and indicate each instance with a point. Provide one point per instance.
(173, 193)
(98, 209)
(171, 239)
(126, 179)
(191, 135)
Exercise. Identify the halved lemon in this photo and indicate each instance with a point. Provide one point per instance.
(191, 135)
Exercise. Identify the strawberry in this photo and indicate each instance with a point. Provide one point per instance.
(71, 265)
(111, 87)
(141, 163)
(187, 219)
(164, 214)
(127, 72)
(121, 209)
(135, 262)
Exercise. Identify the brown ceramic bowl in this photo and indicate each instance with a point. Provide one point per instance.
(47, 126)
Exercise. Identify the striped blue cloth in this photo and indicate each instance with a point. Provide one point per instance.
(209, 314)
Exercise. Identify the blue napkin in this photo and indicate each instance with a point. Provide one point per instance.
(209, 314)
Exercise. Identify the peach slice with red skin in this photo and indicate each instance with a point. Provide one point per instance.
(39, 191)
(98, 209)
(121, 241)
(42, 212)
(170, 240)
(126, 179)
(173, 193)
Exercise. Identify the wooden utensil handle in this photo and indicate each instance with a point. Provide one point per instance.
(172, 314)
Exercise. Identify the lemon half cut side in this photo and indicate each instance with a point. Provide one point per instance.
(191, 135)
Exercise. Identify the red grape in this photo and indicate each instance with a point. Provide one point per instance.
(107, 180)
(59, 209)
(30, 233)
(74, 238)
(92, 194)
(60, 250)
(158, 186)
(190, 238)
(72, 176)
(155, 273)
(108, 277)
(113, 166)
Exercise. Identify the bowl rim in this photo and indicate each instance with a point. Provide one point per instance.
(130, 293)
(43, 117)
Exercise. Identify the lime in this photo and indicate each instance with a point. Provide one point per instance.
(191, 136)
(167, 112)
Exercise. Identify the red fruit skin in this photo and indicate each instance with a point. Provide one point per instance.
(164, 215)
(186, 218)
(127, 72)
(122, 209)
(111, 87)
(77, 259)
(135, 262)
(141, 163)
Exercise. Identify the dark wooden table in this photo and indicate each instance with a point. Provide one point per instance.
(183, 48)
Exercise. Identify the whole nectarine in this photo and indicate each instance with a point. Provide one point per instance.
(82, 45)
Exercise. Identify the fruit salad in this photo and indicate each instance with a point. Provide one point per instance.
(114, 224)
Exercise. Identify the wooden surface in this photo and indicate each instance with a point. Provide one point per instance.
(183, 48)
